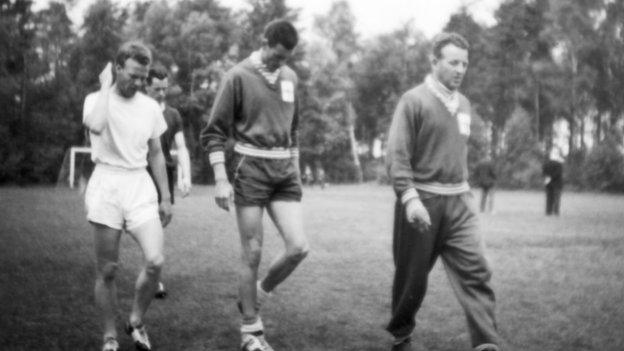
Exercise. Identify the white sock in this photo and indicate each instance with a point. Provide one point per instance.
(261, 295)
(401, 339)
(252, 328)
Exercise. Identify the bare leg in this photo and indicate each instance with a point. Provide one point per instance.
(149, 236)
(288, 219)
(249, 220)
(107, 257)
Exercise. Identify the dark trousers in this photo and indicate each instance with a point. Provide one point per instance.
(553, 200)
(453, 236)
(487, 199)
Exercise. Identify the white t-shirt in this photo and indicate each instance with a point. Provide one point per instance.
(131, 123)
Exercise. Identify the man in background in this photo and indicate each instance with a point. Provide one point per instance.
(485, 178)
(553, 181)
(157, 87)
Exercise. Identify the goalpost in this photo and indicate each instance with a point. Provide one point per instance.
(72, 161)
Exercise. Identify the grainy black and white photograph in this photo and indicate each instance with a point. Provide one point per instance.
(321, 175)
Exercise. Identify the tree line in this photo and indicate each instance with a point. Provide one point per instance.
(544, 64)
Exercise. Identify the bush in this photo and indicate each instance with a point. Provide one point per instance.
(520, 165)
(604, 167)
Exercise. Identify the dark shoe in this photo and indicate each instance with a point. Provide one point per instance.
(139, 337)
(405, 345)
(255, 342)
(161, 293)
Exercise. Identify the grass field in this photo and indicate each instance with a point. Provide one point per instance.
(559, 281)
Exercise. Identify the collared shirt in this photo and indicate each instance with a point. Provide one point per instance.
(450, 98)
(256, 60)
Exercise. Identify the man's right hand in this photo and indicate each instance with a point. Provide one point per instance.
(106, 77)
(417, 214)
(224, 194)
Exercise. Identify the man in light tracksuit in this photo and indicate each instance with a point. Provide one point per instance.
(434, 214)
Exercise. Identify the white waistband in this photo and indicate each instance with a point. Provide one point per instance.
(249, 150)
(443, 189)
(105, 167)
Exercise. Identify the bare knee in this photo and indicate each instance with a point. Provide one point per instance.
(153, 264)
(298, 252)
(108, 271)
(252, 258)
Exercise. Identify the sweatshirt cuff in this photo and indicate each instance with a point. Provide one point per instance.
(294, 152)
(216, 157)
(408, 195)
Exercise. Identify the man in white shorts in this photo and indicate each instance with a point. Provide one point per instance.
(125, 127)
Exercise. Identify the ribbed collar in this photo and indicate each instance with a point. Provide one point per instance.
(450, 98)
(256, 61)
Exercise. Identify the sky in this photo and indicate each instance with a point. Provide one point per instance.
(373, 17)
(377, 17)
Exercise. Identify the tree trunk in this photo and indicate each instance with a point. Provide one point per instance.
(572, 129)
(598, 121)
(351, 117)
(582, 132)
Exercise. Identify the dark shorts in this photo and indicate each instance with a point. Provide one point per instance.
(259, 181)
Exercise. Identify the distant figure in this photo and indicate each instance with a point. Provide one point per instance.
(157, 87)
(553, 181)
(308, 178)
(320, 176)
(485, 178)
(434, 216)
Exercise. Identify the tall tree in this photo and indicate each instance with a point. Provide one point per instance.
(392, 64)
(16, 55)
(254, 21)
(101, 38)
(515, 43)
(338, 94)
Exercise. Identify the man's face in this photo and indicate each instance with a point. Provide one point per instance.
(158, 89)
(131, 77)
(450, 68)
(275, 57)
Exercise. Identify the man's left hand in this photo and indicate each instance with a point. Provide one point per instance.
(164, 210)
(185, 186)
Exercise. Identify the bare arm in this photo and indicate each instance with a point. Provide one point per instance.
(96, 119)
(223, 189)
(184, 161)
(156, 161)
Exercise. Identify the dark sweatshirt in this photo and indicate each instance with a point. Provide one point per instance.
(426, 150)
(253, 111)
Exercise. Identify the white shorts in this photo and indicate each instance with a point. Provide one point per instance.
(121, 198)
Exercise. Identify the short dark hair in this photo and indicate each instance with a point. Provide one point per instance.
(443, 39)
(157, 71)
(135, 50)
(281, 32)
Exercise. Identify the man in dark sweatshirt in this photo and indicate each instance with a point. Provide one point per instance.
(257, 106)
(553, 181)
(434, 212)
(485, 178)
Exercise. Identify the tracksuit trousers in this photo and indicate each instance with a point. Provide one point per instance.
(553, 200)
(453, 236)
